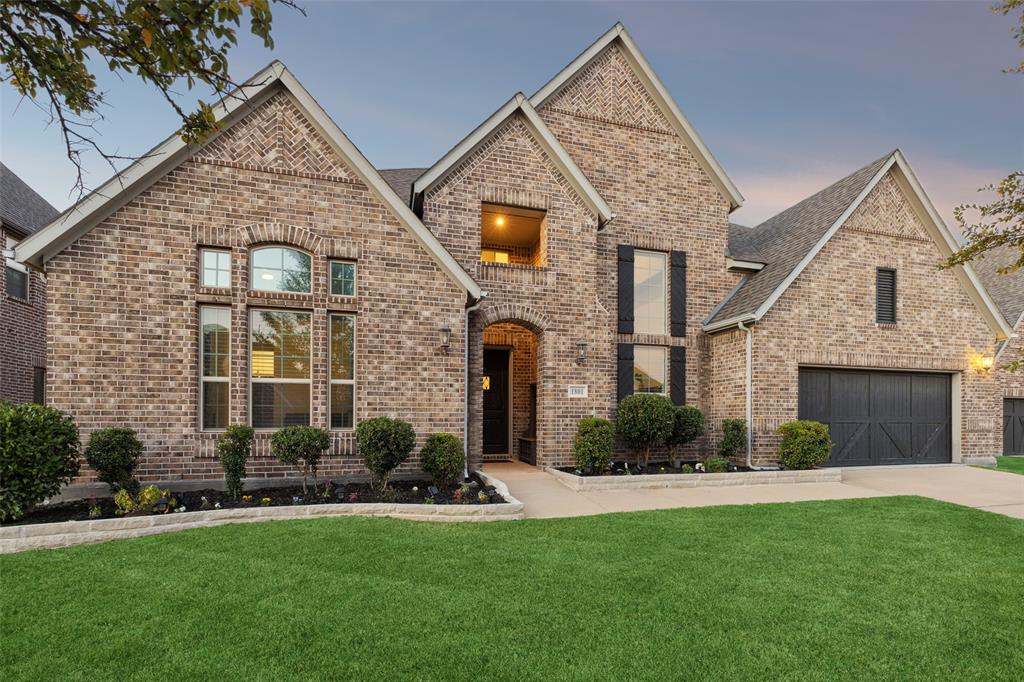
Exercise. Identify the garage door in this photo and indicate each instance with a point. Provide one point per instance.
(880, 417)
(1013, 426)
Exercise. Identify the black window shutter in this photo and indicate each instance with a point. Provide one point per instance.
(625, 365)
(885, 296)
(678, 293)
(626, 290)
(677, 375)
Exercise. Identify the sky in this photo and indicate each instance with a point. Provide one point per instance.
(789, 96)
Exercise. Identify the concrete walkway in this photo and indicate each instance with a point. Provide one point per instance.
(544, 497)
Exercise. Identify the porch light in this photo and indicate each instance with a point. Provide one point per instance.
(986, 361)
(581, 352)
(499, 221)
(446, 337)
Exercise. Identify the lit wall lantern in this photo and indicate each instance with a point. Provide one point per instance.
(986, 362)
(446, 338)
(581, 352)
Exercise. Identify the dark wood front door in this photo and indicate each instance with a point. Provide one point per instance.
(880, 417)
(1013, 426)
(496, 401)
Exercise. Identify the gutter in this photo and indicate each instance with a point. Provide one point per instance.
(465, 372)
(750, 399)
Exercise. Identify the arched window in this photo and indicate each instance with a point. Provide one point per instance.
(278, 268)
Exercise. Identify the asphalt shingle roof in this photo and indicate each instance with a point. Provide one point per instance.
(783, 240)
(1006, 290)
(20, 206)
(401, 180)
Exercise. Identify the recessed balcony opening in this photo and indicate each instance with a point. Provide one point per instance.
(513, 236)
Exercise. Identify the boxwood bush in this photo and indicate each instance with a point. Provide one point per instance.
(734, 437)
(593, 444)
(443, 458)
(302, 447)
(645, 421)
(688, 426)
(716, 465)
(38, 454)
(805, 444)
(233, 448)
(384, 443)
(113, 453)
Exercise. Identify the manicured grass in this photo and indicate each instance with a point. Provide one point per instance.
(886, 588)
(1014, 465)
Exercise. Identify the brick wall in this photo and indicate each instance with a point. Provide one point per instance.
(22, 335)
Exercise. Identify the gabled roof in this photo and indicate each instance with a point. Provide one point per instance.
(658, 91)
(21, 207)
(544, 137)
(1007, 290)
(152, 166)
(401, 179)
(789, 241)
(741, 245)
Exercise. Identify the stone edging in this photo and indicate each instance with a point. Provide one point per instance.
(736, 478)
(68, 533)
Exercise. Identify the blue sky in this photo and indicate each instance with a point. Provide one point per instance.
(788, 96)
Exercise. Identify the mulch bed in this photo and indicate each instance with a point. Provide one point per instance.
(654, 468)
(402, 492)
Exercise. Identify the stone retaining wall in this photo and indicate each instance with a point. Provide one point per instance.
(736, 478)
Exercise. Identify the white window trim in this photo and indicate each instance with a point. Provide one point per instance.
(355, 276)
(252, 380)
(332, 381)
(20, 267)
(204, 379)
(666, 384)
(288, 247)
(202, 266)
(663, 256)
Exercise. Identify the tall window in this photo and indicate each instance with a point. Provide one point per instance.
(17, 275)
(343, 278)
(279, 368)
(885, 296)
(649, 369)
(216, 363)
(649, 292)
(277, 268)
(343, 374)
(216, 265)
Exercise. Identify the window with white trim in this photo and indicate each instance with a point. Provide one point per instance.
(650, 369)
(215, 363)
(343, 278)
(17, 274)
(279, 368)
(343, 371)
(650, 292)
(279, 268)
(216, 267)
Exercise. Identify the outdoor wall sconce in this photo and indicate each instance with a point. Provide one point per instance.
(581, 352)
(446, 338)
(986, 362)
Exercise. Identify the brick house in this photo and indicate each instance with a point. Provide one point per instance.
(22, 294)
(573, 249)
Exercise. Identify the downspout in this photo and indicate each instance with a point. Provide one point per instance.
(750, 399)
(465, 371)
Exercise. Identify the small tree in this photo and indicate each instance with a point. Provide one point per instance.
(805, 444)
(593, 443)
(234, 447)
(38, 454)
(442, 457)
(302, 447)
(113, 453)
(645, 421)
(734, 437)
(687, 427)
(384, 443)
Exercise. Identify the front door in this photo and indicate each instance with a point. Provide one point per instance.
(496, 401)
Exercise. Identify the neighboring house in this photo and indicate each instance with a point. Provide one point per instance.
(22, 294)
(573, 249)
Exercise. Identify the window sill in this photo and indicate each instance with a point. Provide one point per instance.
(513, 266)
(18, 299)
(887, 325)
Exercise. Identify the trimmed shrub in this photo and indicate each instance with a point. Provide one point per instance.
(234, 447)
(442, 457)
(384, 443)
(38, 454)
(734, 437)
(302, 447)
(805, 444)
(687, 427)
(716, 465)
(113, 453)
(593, 443)
(645, 421)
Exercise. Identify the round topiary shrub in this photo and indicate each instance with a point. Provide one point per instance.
(442, 457)
(113, 453)
(233, 448)
(593, 444)
(645, 421)
(302, 447)
(687, 427)
(734, 437)
(384, 443)
(38, 454)
(805, 444)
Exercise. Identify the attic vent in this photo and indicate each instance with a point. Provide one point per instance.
(885, 296)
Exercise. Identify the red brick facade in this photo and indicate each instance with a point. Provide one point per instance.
(23, 335)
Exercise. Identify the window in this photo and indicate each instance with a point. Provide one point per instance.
(216, 266)
(276, 268)
(494, 256)
(649, 369)
(279, 368)
(512, 235)
(343, 341)
(343, 278)
(17, 275)
(39, 385)
(649, 292)
(216, 364)
(885, 296)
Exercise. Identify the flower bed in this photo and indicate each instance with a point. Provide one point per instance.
(664, 476)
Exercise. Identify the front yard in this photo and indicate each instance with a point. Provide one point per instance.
(873, 588)
(1014, 465)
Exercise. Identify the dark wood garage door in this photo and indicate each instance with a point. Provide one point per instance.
(880, 417)
(1013, 426)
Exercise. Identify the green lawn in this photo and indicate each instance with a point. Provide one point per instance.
(886, 588)
(1014, 465)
